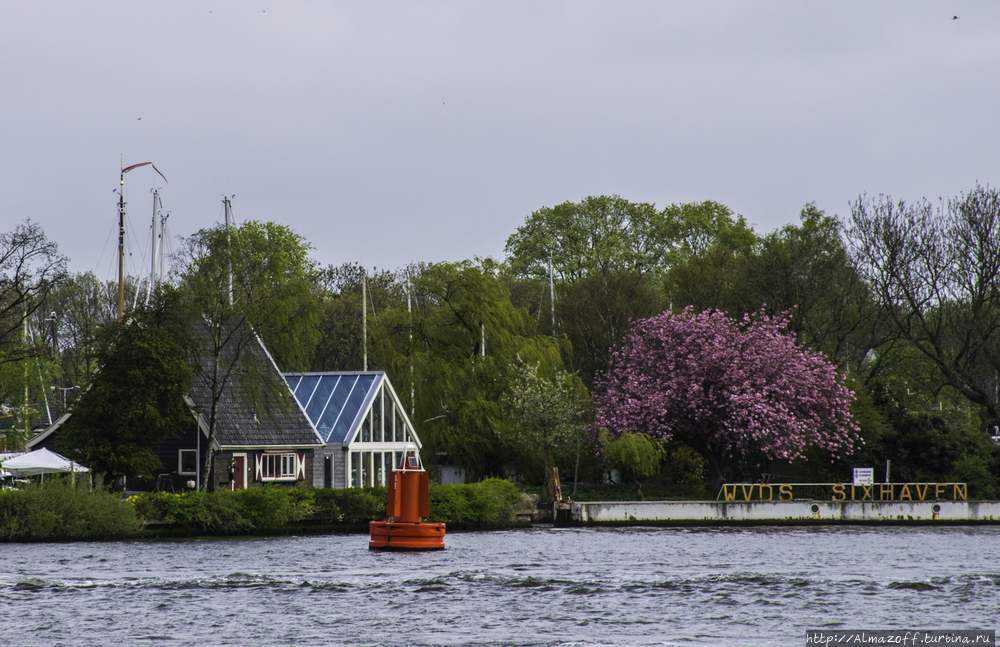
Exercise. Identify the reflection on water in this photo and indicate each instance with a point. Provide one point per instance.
(638, 586)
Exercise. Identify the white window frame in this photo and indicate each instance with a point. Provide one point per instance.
(180, 461)
(281, 463)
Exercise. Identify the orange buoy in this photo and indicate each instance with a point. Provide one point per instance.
(407, 503)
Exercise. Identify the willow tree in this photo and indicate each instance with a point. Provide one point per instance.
(456, 347)
(725, 388)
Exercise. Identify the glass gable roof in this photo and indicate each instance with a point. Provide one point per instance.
(333, 401)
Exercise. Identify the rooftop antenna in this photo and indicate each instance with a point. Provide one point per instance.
(121, 232)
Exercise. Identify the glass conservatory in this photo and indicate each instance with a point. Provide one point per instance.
(359, 416)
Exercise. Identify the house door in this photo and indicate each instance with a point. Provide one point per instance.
(240, 471)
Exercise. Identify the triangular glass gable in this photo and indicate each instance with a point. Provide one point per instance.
(332, 401)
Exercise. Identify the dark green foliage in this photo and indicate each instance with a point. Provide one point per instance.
(490, 501)
(935, 446)
(136, 398)
(352, 505)
(226, 512)
(58, 511)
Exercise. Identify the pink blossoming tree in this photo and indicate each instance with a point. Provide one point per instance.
(725, 388)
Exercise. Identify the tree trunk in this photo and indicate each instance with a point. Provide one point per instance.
(576, 468)
(213, 419)
(717, 470)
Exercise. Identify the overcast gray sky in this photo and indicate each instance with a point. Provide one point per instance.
(386, 133)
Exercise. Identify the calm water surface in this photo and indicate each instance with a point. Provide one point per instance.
(749, 586)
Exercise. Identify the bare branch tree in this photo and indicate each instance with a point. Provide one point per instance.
(936, 270)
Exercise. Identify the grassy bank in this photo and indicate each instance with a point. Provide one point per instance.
(56, 511)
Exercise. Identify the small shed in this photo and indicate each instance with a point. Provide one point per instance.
(360, 418)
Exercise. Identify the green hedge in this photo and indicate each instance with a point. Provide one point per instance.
(493, 501)
(58, 511)
(225, 512)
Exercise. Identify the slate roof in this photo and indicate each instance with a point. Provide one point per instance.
(242, 425)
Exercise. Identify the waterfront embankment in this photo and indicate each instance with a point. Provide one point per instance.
(755, 512)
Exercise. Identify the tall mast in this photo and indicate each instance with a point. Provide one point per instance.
(121, 245)
(163, 235)
(153, 241)
(152, 251)
(121, 231)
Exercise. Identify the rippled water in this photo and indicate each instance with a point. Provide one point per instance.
(637, 586)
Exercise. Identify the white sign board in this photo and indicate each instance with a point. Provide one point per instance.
(864, 475)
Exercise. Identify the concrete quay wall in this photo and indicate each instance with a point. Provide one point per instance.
(776, 512)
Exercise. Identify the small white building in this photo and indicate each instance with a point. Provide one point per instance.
(360, 417)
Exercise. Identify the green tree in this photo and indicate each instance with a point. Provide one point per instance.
(805, 269)
(546, 411)
(599, 235)
(135, 398)
(595, 312)
(339, 290)
(609, 258)
(460, 342)
(636, 457)
(255, 279)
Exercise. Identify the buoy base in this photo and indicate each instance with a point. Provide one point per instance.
(406, 536)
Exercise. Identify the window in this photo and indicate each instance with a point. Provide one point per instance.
(399, 427)
(187, 461)
(278, 466)
(377, 417)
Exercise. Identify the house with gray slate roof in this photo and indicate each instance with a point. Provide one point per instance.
(270, 442)
(360, 419)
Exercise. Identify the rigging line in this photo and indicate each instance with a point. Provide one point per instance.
(41, 382)
(111, 232)
(131, 265)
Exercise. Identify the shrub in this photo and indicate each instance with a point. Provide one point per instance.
(352, 505)
(490, 501)
(57, 510)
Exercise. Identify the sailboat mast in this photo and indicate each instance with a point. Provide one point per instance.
(121, 232)
(163, 251)
(153, 241)
(121, 245)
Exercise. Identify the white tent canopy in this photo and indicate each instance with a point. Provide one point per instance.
(41, 461)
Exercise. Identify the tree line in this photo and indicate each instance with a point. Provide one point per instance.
(495, 360)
